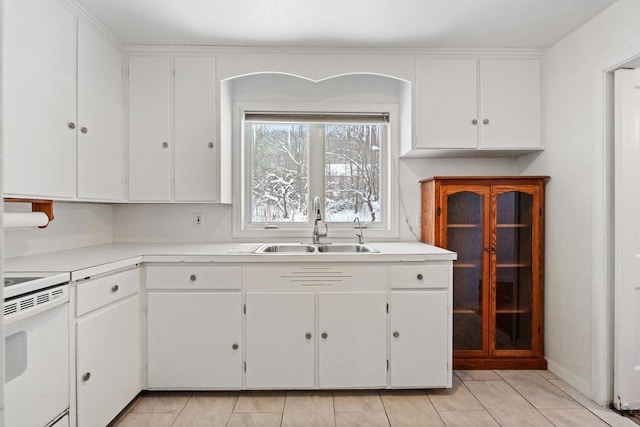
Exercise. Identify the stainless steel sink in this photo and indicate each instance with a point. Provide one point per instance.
(346, 248)
(285, 248)
(289, 248)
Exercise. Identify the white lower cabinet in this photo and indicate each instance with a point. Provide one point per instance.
(298, 326)
(280, 336)
(108, 361)
(194, 340)
(353, 339)
(419, 338)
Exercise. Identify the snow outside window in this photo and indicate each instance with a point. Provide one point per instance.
(293, 157)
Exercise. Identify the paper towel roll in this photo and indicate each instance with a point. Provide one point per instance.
(24, 219)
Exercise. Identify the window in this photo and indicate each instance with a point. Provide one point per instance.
(290, 158)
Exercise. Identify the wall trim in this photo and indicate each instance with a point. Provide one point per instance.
(568, 377)
(480, 52)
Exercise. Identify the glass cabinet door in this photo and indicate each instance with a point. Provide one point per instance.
(513, 260)
(465, 234)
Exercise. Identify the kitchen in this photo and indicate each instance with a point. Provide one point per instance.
(578, 283)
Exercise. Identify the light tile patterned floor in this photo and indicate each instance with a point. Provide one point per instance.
(477, 398)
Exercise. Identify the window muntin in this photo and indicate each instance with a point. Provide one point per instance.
(351, 177)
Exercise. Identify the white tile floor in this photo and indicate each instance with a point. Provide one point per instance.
(478, 398)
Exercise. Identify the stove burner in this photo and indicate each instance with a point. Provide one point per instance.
(16, 280)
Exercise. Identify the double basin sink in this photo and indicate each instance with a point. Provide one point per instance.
(291, 248)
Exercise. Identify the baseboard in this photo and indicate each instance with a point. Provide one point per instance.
(570, 378)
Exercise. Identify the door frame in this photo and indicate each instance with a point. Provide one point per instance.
(602, 227)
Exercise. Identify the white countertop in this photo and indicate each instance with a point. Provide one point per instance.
(92, 260)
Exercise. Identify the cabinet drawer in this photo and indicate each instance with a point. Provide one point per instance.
(421, 276)
(193, 277)
(95, 293)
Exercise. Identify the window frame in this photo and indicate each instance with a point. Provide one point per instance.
(244, 228)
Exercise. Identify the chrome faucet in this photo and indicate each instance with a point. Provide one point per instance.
(318, 217)
(361, 235)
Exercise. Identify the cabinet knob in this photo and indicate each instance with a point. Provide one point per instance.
(210, 145)
(420, 276)
(86, 376)
(485, 121)
(115, 288)
(193, 277)
(83, 129)
(308, 335)
(474, 121)
(165, 144)
(234, 346)
(396, 334)
(71, 125)
(325, 335)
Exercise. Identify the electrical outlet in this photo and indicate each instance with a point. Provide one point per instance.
(198, 219)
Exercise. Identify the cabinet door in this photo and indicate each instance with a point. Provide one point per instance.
(466, 230)
(353, 339)
(39, 99)
(194, 340)
(419, 339)
(99, 117)
(108, 362)
(195, 150)
(280, 340)
(516, 275)
(446, 103)
(510, 104)
(150, 144)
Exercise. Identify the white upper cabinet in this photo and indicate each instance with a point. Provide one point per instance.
(150, 142)
(446, 103)
(99, 117)
(195, 154)
(39, 106)
(469, 105)
(172, 146)
(510, 95)
(60, 142)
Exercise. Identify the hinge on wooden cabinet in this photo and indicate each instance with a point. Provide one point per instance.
(245, 366)
(387, 307)
(387, 364)
(244, 308)
(438, 211)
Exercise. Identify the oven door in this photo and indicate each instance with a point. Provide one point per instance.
(37, 367)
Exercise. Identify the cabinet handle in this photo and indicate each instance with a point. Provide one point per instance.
(84, 129)
(234, 346)
(165, 144)
(324, 335)
(71, 125)
(193, 277)
(210, 145)
(420, 276)
(485, 121)
(308, 335)
(115, 288)
(86, 376)
(396, 334)
(474, 121)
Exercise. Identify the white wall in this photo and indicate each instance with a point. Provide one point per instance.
(577, 277)
(174, 223)
(75, 225)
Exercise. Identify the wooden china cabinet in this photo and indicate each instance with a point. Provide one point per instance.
(495, 224)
